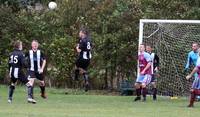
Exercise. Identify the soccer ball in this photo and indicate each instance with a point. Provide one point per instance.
(52, 5)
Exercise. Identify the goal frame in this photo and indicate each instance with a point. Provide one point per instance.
(142, 21)
(163, 21)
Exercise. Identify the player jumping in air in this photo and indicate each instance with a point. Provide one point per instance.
(192, 60)
(37, 62)
(16, 64)
(154, 68)
(145, 74)
(84, 55)
(195, 90)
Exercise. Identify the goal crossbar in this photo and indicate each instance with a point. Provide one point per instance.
(142, 21)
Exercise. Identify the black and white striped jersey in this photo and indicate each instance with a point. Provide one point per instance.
(35, 60)
(16, 62)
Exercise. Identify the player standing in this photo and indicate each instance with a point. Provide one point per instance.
(192, 60)
(16, 64)
(83, 49)
(195, 91)
(145, 74)
(37, 62)
(154, 68)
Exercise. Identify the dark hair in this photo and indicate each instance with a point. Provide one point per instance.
(143, 44)
(195, 43)
(149, 45)
(17, 44)
(85, 31)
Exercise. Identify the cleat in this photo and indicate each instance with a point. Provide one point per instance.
(144, 99)
(137, 99)
(30, 100)
(9, 101)
(86, 87)
(43, 96)
(190, 105)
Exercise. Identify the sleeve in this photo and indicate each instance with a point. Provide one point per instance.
(80, 44)
(198, 62)
(22, 57)
(9, 64)
(43, 57)
(26, 54)
(188, 62)
(157, 60)
(148, 57)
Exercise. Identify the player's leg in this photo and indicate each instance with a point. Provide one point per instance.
(138, 91)
(154, 89)
(83, 69)
(86, 78)
(11, 89)
(77, 71)
(138, 87)
(40, 77)
(196, 85)
(30, 85)
(195, 91)
(192, 98)
(145, 82)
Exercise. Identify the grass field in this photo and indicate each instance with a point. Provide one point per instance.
(80, 104)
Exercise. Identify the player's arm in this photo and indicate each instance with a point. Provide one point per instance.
(194, 70)
(188, 62)
(157, 62)
(192, 73)
(149, 60)
(43, 63)
(22, 60)
(9, 63)
(147, 67)
(78, 48)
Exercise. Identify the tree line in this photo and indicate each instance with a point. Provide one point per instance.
(113, 27)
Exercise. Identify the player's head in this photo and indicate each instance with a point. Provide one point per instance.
(142, 48)
(148, 48)
(34, 45)
(83, 33)
(195, 46)
(18, 45)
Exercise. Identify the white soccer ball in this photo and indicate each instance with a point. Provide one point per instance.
(52, 5)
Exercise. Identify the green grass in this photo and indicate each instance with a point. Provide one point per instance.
(80, 104)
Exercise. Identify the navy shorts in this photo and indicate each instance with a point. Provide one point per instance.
(33, 74)
(154, 79)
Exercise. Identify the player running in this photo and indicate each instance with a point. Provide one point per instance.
(37, 62)
(145, 74)
(16, 64)
(83, 49)
(195, 91)
(154, 68)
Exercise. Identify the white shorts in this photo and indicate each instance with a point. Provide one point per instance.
(144, 79)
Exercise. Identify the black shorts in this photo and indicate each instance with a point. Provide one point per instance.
(82, 63)
(154, 79)
(36, 75)
(22, 78)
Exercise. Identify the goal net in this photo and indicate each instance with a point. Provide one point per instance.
(171, 41)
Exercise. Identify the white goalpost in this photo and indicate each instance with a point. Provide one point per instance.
(171, 40)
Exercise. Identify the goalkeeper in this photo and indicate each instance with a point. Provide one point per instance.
(192, 60)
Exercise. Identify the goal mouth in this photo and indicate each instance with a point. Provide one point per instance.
(171, 41)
